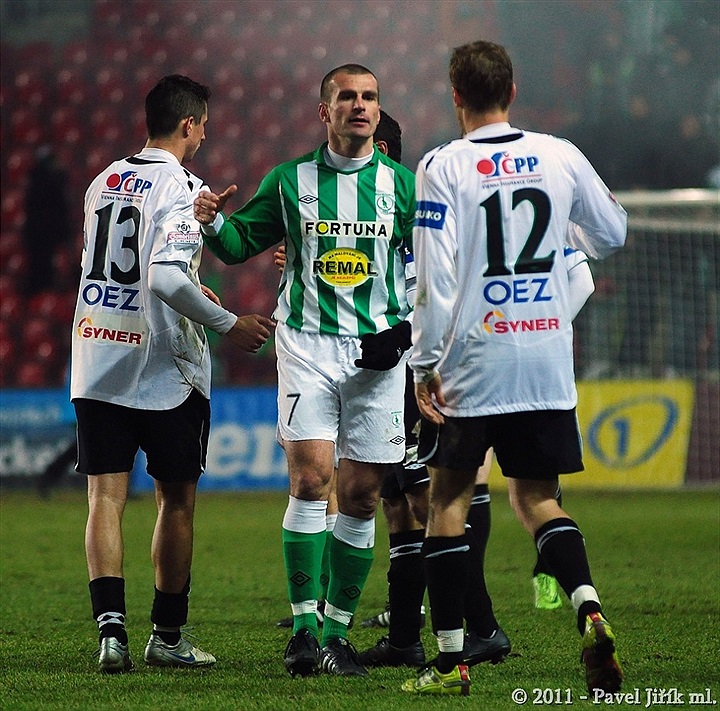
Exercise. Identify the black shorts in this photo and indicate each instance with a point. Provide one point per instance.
(405, 475)
(175, 441)
(537, 445)
(401, 478)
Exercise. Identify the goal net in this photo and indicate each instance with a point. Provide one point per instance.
(654, 313)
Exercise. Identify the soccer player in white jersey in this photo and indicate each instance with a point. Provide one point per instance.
(405, 503)
(141, 367)
(492, 353)
(345, 213)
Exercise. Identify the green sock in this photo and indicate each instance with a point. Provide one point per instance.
(325, 573)
(350, 568)
(303, 559)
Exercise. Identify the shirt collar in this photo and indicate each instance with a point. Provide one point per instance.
(491, 130)
(320, 159)
(158, 154)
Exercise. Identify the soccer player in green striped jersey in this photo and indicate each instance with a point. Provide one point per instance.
(345, 213)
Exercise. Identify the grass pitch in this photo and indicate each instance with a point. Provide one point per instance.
(655, 559)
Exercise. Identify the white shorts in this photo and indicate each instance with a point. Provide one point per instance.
(322, 394)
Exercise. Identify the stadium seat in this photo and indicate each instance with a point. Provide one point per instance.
(11, 308)
(110, 85)
(98, 159)
(31, 87)
(65, 308)
(227, 14)
(6, 331)
(144, 78)
(38, 55)
(158, 56)
(12, 211)
(18, 164)
(108, 18)
(45, 304)
(35, 330)
(71, 87)
(106, 126)
(138, 128)
(8, 286)
(116, 53)
(148, 16)
(31, 374)
(16, 266)
(47, 353)
(75, 55)
(228, 83)
(26, 128)
(66, 127)
(8, 355)
(10, 244)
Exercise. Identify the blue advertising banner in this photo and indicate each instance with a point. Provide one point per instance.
(243, 453)
(35, 426)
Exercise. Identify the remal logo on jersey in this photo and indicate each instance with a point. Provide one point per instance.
(430, 214)
(127, 183)
(503, 165)
(344, 267)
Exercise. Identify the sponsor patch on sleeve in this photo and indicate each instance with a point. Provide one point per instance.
(430, 214)
(183, 233)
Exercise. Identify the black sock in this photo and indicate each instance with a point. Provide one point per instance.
(541, 565)
(561, 544)
(584, 610)
(406, 587)
(170, 610)
(446, 564)
(107, 596)
(478, 605)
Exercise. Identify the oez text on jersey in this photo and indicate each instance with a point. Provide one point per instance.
(122, 298)
(519, 291)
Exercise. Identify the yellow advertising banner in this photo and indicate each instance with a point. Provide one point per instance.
(635, 434)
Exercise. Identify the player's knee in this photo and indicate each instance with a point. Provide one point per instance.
(398, 515)
(419, 508)
(359, 504)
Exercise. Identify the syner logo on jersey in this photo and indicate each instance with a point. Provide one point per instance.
(108, 328)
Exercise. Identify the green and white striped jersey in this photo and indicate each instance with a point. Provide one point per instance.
(345, 233)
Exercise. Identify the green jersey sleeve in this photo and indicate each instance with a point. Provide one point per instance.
(253, 228)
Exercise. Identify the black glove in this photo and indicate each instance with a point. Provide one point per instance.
(382, 351)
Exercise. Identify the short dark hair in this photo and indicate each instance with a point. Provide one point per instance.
(388, 130)
(172, 99)
(345, 69)
(482, 73)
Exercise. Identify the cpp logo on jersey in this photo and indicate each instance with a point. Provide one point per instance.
(127, 183)
(430, 214)
(503, 165)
